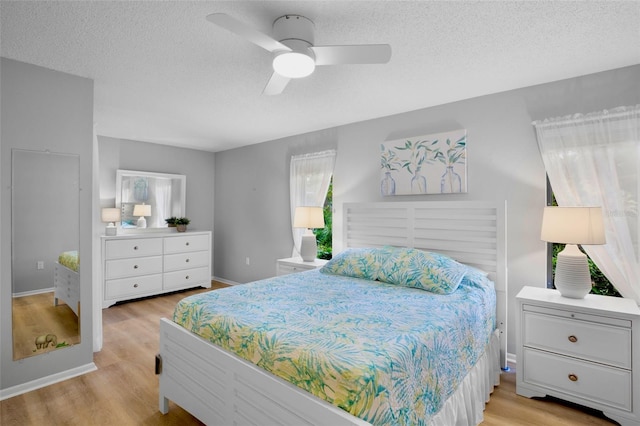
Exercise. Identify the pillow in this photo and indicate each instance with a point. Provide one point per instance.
(357, 262)
(429, 271)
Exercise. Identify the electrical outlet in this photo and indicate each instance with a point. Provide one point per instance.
(248, 261)
(40, 264)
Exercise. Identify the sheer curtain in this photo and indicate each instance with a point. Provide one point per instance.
(163, 202)
(309, 179)
(594, 160)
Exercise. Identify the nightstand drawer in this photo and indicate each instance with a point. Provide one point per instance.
(591, 341)
(131, 287)
(290, 269)
(133, 267)
(119, 249)
(580, 379)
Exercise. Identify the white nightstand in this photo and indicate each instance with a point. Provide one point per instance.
(581, 350)
(292, 265)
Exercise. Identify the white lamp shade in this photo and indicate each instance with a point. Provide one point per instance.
(573, 225)
(142, 210)
(110, 214)
(308, 217)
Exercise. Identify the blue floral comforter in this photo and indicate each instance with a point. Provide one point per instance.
(385, 353)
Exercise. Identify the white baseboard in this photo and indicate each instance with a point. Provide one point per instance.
(511, 358)
(223, 281)
(46, 381)
(34, 292)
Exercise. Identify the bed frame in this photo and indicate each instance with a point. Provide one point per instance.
(66, 284)
(219, 387)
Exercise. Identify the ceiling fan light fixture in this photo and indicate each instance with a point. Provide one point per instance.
(293, 64)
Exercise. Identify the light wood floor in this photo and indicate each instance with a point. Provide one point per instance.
(36, 315)
(124, 389)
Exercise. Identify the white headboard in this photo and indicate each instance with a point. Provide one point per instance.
(471, 232)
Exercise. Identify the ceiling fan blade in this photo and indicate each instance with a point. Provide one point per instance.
(276, 84)
(243, 30)
(360, 54)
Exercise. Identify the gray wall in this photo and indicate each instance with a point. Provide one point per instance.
(252, 217)
(252, 187)
(197, 165)
(42, 110)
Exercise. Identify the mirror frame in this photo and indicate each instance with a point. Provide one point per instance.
(48, 268)
(182, 180)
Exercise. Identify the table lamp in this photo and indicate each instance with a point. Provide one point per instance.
(308, 217)
(573, 226)
(110, 215)
(142, 210)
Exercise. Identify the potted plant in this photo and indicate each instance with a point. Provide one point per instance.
(171, 222)
(181, 223)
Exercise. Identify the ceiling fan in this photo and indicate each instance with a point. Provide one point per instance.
(294, 54)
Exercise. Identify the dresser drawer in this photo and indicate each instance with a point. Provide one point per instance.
(131, 287)
(175, 262)
(133, 267)
(591, 381)
(607, 344)
(184, 278)
(185, 243)
(119, 249)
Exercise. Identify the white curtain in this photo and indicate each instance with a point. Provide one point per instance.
(309, 179)
(594, 160)
(162, 192)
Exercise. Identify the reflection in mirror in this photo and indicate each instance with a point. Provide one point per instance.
(161, 194)
(45, 236)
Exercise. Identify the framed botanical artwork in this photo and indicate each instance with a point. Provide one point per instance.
(428, 164)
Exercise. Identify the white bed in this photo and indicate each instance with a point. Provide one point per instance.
(221, 388)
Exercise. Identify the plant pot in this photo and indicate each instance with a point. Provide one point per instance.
(181, 228)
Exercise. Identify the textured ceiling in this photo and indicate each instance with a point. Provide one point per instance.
(164, 74)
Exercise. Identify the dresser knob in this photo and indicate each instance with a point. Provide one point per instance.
(135, 247)
(187, 260)
(187, 277)
(573, 339)
(187, 243)
(135, 286)
(135, 266)
(573, 377)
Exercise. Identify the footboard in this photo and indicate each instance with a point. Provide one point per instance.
(221, 388)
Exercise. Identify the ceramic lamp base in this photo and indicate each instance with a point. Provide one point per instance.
(308, 248)
(572, 279)
(142, 222)
(110, 231)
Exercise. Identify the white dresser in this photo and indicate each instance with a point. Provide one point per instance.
(139, 265)
(581, 350)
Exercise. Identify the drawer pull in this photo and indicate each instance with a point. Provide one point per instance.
(135, 286)
(187, 277)
(135, 266)
(573, 377)
(187, 243)
(573, 339)
(187, 260)
(135, 247)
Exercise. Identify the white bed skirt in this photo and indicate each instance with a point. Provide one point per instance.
(466, 406)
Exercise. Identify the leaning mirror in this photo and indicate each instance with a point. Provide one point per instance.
(146, 199)
(45, 236)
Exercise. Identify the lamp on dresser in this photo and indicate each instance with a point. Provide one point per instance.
(110, 215)
(573, 226)
(308, 217)
(142, 210)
